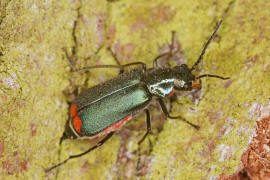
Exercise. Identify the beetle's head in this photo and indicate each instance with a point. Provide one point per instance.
(184, 80)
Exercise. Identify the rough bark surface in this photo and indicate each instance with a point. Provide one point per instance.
(36, 84)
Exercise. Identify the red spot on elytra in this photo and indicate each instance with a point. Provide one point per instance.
(171, 93)
(73, 110)
(77, 124)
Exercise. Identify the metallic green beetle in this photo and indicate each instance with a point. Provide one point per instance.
(104, 108)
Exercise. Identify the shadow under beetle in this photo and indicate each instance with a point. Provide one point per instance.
(104, 108)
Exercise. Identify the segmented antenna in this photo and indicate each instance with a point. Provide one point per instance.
(205, 46)
(212, 76)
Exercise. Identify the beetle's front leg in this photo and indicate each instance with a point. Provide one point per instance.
(165, 111)
(81, 154)
(169, 54)
(148, 130)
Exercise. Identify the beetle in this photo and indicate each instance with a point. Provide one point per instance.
(106, 107)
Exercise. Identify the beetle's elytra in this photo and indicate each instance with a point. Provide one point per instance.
(104, 108)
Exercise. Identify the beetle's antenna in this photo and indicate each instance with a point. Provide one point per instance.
(213, 76)
(205, 46)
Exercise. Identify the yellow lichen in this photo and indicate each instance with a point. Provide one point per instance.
(35, 78)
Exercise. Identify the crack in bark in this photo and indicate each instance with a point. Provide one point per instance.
(75, 25)
(74, 54)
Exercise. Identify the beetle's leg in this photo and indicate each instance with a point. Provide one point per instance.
(114, 56)
(148, 130)
(160, 56)
(116, 60)
(81, 154)
(165, 111)
(136, 63)
(126, 65)
(171, 46)
(89, 67)
(119, 66)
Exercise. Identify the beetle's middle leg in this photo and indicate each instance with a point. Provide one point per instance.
(148, 130)
(165, 111)
(100, 143)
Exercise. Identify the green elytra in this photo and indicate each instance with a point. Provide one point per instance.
(127, 94)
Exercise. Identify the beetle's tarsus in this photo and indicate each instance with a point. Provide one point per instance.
(165, 111)
(181, 118)
(79, 155)
(148, 124)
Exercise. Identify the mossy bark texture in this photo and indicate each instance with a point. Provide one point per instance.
(36, 84)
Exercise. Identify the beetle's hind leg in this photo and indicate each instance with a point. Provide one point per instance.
(100, 143)
(165, 111)
(148, 130)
